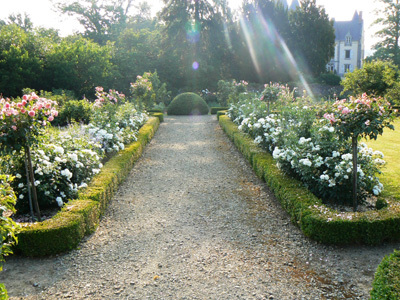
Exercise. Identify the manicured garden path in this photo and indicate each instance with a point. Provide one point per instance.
(192, 221)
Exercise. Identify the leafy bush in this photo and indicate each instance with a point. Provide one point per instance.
(7, 225)
(386, 284)
(309, 148)
(148, 90)
(330, 79)
(377, 78)
(188, 104)
(230, 91)
(316, 220)
(74, 111)
(64, 161)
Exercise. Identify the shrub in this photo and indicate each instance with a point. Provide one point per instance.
(75, 110)
(7, 226)
(386, 284)
(330, 79)
(188, 104)
(214, 110)
(309, 148)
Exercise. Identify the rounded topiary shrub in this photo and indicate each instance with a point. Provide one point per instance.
(188, 104)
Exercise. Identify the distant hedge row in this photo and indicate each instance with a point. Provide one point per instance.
(307, 211)
(80, 217)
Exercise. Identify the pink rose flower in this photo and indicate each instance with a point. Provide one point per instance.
(25, 98)
(14, 127)
(345, 110)
(51, 118)
(31, 113)
(24, 102)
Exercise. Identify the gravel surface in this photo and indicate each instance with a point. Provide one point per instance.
(192, 221)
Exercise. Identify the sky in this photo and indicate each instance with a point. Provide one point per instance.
(42, 13)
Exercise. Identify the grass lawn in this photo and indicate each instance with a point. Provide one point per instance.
(389, 145)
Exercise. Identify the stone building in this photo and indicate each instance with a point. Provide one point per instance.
(349, 45)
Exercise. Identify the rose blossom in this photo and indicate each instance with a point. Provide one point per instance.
(31, 113)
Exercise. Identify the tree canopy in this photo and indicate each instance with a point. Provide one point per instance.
(191, 44)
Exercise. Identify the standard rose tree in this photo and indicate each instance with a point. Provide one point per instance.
(21, 123)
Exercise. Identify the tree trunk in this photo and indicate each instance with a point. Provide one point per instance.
(32, 180)
(354, 145)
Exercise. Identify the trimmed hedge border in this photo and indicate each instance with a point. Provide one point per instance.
(386, 284)
(214, 110)
(307, 211)
(221, 113)
(81, 216)
(158, 115)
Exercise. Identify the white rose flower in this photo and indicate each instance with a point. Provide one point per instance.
(59, 201)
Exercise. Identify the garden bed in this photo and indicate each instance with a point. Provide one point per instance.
(317, 221)
(80, 216)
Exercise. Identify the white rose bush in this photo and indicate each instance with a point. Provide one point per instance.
(64, 160)
(313, 148)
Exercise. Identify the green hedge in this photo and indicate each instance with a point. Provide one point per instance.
(214, 110)
(386, 284)
(158, 115)
(188, 104)
(307, 211)
(81, 216)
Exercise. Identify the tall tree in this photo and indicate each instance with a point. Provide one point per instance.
(264, 27)
(21, 60)
(102, 20)
(194, 33)
(388, 47)
(313, 36)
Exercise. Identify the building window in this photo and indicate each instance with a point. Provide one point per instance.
(348, 40)
(347, 54)
(347, 68)
(331, 67)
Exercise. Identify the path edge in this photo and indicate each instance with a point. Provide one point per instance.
(80, 217)
(306, 211)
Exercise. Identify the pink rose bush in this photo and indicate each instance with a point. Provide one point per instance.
(361, 116)
(27, 117)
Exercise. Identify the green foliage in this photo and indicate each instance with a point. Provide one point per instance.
(148, 90)
(376, 78)
(79, 65)
(381, 204)
(313, 37)
(74, 111)
(8, 227)
(330, 79)
(389, 22)
(102, 21)
(307, 211)
(81, 216)
(21, 60)
(188, 104)
(386, 284)
(3, 292)
(215, 109)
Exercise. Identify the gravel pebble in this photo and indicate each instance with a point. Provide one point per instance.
(192, 221)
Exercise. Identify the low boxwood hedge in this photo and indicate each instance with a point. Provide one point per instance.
(386, 284)
(307, 211)
(214, 110)
(80, 217)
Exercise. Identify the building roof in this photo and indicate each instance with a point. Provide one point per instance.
(354, 27)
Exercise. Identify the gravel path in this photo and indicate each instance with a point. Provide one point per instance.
(193, 222)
